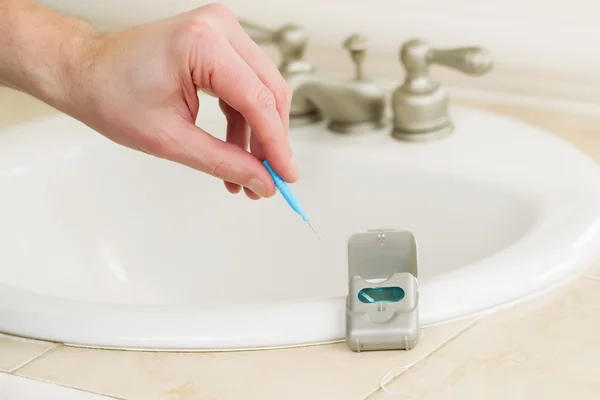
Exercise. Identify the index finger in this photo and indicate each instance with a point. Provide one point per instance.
(238, 85)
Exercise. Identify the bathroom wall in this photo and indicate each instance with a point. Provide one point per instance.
(540, 47)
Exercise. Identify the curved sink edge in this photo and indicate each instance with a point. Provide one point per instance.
(585, 224)
(327, 307)
(330, 320)
(174, 342)
(324, 318)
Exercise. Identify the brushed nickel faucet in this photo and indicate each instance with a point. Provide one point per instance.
(290, 40)
(349, 105)
(419, 106)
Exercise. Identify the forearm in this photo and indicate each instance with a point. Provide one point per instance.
(39, 49)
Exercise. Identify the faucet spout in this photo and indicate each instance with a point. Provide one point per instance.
(348, 106)
(419, 106)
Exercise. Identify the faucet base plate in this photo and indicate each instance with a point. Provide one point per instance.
(423, 136)
(356, 127)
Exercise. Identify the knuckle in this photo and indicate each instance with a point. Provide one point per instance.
(283, 93)
(199, 29)
(221, 170)
(264, 98)
(210, 67)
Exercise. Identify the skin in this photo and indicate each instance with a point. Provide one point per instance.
(138, 87)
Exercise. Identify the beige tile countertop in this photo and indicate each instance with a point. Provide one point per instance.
(547, 348)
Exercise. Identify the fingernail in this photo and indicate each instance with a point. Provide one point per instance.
(257, 186)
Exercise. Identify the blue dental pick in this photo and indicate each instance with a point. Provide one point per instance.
(288, 195)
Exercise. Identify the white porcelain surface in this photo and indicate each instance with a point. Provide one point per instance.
(104, 246)
(14, 387)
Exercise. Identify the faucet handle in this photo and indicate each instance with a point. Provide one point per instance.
(420, 104)
(357, 46)
(416, 56)
(290, 39)
(470, 60)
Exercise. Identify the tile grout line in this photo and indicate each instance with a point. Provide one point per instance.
(34, 358)
(110, 397)
(436, 350)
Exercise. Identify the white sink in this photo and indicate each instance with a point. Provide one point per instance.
(104, 246)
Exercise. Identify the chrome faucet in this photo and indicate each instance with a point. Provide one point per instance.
(419, 106)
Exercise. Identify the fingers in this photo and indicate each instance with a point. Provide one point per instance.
(267, 73)
(251, 194)
(265, 69)
(191, 146)
(236, 83)
(237, 134)
(255, 57)
(255, 148)
(232, 187)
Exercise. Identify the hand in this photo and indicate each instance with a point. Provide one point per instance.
(139, 87)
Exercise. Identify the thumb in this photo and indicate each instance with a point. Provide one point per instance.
(195, 148)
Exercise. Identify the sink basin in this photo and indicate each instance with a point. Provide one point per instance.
(102, 246)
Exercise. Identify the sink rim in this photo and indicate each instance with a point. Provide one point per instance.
(285, 324)
(287, 319)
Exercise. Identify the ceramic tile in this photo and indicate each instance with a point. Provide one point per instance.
(18, 388)
(330, 371)
(548, 350)
(14, 352)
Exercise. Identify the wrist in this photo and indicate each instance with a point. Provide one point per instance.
(57, 84)
(41, 50)
(73, 62)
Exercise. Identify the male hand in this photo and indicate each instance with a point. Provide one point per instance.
(138, 87)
